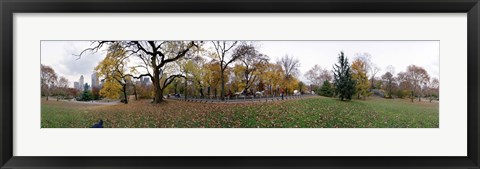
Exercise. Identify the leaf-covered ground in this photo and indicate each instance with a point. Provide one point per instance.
(317, 112)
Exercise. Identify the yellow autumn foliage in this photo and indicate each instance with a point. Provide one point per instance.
(359, 74)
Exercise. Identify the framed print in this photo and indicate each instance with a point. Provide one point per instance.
(233, 84)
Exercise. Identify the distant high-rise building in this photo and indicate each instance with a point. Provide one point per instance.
(81, 82)
(145, 81)
(102, 82)
(76, 85)
(87, 86)
(94, 80)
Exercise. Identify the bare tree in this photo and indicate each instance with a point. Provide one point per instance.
(317, 75)
(373, 72)
(222, 49)
(390, 69)
(48, 78)
(290, 67)
(389, 81)
(326, 75)
(313, 75)
(62, 87)
(252, 61)
(418, 77)
(433, 89)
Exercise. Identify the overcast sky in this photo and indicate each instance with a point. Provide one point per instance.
(60, 55)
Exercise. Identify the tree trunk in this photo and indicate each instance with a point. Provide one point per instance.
(185, 91)
(413, 96)
(135, 92)
(156, 87)
(208, 92)
(175, 87)
(270, 91)
(158, 95)
(372, 83)
(160, 99)
(419, 94)
(390, 93)
(125, 93)
(222, 91)
(201, 92)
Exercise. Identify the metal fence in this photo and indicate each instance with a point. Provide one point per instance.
(240, 99)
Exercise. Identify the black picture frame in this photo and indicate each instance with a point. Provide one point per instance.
(9, 7)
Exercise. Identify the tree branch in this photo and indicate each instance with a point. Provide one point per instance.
(170, 79)
(179, 55)
(139, 46)
(140, 76)
(93, 49)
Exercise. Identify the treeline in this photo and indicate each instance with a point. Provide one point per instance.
(220, 69)
(359, 79)
(213, 69)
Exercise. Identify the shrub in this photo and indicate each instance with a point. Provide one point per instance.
(326, 89)
(403, 93)
(86, 96)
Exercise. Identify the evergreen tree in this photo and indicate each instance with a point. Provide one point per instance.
(87, 94)
(86, 87)
(344, 84)
(326, 89)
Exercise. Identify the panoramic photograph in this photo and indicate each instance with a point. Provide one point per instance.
(240, 84)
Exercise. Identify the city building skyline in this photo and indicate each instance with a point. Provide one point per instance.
(95, 82)
(81, 81)
(76, 85)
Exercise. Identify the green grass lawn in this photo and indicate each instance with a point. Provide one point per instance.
(317, 112)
